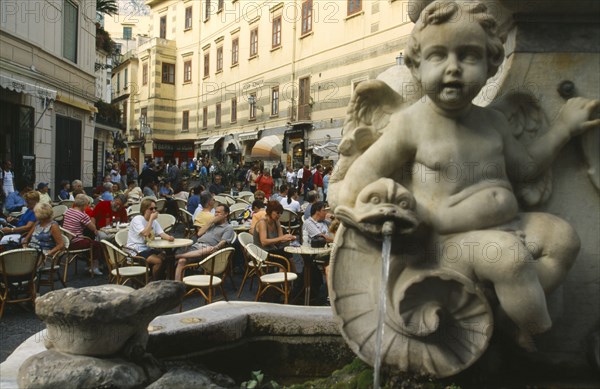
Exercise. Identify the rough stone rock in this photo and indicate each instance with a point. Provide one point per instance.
(107, 319)
(192, 378)
(52, 369)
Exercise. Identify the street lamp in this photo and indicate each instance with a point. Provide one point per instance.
(145, 130)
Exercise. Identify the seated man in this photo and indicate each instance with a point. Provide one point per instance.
(15, 201)
(194, 199)
(259, 195)
(217, 187)
(317, 224)
(206, 213)
(24, 224)
(311, 198)
(215, 235)
(107, 212)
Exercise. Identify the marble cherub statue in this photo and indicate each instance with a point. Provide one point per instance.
(461, 163)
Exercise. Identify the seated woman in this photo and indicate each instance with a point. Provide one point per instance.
(107, 194)
(180, 192)
(134, 192)
(268, 233)
(291, 201)
(25, 221)
(116, 190)
(76, 221)
(45, 235)
(144, 228)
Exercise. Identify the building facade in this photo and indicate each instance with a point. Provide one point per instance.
(47, 89)
(218, 76)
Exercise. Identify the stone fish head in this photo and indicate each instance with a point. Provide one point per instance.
(381, 201)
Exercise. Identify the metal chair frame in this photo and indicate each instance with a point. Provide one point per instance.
(71, 255)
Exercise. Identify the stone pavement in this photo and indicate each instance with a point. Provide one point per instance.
(19, 321)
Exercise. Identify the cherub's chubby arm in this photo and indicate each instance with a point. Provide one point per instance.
(573, 119)
(382, 159)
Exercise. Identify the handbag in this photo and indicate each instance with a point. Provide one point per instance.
(318, 242)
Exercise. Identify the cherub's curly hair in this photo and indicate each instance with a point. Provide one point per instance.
(443, 11)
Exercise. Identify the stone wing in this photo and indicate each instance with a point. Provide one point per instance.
(369, 111)
(528, 123)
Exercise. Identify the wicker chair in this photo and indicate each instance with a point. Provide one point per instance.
(215, 268)
(18, 271)
(123, 267)
(279, 280)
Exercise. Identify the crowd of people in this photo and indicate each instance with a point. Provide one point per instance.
(28, 220)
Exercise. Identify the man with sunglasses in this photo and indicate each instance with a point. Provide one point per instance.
(213, 236)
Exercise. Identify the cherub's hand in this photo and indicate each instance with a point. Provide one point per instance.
(575, 115)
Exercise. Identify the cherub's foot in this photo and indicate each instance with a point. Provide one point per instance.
(525, 340)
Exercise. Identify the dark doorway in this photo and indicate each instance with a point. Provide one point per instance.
(68, 151)
(16, 140)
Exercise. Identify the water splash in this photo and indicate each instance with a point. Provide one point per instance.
(387, 231)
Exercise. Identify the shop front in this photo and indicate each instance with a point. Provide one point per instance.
(294, 144)
(323, 146)
(248, 140)
(168, 150)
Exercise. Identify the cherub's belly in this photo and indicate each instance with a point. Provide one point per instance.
(474, 208)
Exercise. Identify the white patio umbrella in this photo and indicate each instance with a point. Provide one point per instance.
(268, 147)
(328, 149)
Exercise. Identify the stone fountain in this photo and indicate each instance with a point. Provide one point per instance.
(493, 204)
(494, 209)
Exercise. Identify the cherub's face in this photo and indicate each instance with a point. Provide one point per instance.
(453, 65)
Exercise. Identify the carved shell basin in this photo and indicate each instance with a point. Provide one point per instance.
(437, 321)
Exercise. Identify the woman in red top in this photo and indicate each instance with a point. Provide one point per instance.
(265, 183)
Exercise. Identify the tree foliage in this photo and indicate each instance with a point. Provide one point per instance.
(107, 7)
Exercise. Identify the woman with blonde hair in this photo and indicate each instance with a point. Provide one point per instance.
(45, 234)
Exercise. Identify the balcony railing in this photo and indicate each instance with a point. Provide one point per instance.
(134, 135)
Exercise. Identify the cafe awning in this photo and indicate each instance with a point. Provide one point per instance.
(268, 147)
(253, 135)
(20, 86)
(209, 144)
(326, 150)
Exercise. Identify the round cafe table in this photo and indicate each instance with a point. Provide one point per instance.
(308, 255)
(169, 248)
(113, 230)
(245, 227)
